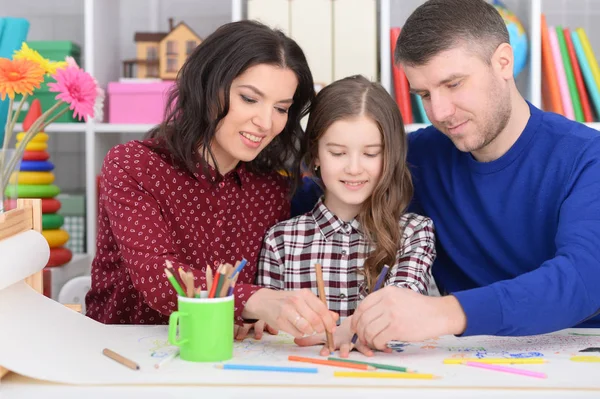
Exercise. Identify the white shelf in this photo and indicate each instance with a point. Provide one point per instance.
(121, 127)
(594, 125)
(58, 128)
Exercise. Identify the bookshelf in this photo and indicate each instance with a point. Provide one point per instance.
(105, 29)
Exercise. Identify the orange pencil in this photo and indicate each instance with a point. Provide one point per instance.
(326, 362)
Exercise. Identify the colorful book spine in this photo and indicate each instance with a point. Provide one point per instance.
(583, 96)
(401, 89)
(589, 54)
(575, 101)
(586, 71)
(550, 80)
(560, 73)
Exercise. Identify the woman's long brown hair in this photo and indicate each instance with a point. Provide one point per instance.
(380, 214)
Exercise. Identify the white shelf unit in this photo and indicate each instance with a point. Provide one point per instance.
(106, 29)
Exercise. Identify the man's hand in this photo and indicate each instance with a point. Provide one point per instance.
(342, 341)
(394, 313)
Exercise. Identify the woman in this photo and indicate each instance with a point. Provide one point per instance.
(203, 188)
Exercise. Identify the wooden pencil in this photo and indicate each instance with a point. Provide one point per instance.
(209, 278)
(321, 288)
(120, 359)
(228, 269)
(191, 289)
(175, 275)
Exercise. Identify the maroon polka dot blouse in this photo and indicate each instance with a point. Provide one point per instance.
(151, 210)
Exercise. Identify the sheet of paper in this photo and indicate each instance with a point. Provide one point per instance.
(42, 339)
(18, 260)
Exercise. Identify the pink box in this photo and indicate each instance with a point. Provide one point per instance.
(137, 102)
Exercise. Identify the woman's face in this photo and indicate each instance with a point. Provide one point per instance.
(258, 111)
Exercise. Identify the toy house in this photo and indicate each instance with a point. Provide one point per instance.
(161, 54)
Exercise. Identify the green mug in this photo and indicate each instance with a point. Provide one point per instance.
(205, 328)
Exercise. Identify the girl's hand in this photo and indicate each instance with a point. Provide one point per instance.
(241, 332)
(298, 313)
(342, 341)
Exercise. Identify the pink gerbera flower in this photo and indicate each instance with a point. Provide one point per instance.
(77, 88)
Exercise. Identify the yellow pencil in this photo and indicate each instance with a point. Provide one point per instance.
(587, 359)
(501, 360)
(375, 374)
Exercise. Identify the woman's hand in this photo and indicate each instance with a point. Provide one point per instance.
(298, 313)
(342, 341)
(241, 332)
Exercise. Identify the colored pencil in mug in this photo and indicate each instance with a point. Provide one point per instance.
(228, 269)
(257, 367)
(375, 365)
(239, 268)
(213, 289)
(376, 374)
(378, 284)
(230, 291)
(506, 369)
(497, 360)
(175, 275)
(209, 278)
(330, 363)
(191, 288)
(174, 283)
(321, 289)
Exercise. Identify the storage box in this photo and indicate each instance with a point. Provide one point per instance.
(137, 102)
(55, 50)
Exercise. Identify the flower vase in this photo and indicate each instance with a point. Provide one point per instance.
(8, 179)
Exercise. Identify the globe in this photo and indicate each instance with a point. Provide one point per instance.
(517, 36)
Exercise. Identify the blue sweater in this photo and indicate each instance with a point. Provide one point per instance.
(519, 237)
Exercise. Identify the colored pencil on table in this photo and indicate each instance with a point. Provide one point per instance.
(330, 363)
(174, 283)
(375, 374)
(378, 284)
(120, 359)
(321, 289)
(375, 365)
(167, 359)
(256, 367)
(586, 359)
(506, 369)
(499, 360)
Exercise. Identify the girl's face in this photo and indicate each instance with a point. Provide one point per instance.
(350, 158)
(258, 111)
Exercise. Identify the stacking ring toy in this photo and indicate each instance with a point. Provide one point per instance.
(55, 237)
(36, 156)
(36, 166)
(34, 146)
(33, 177)
(31, 191)
(40, 137)
(50, 205)
(59, 256)
(51, 221)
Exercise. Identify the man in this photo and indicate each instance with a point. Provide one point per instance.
(514, 192)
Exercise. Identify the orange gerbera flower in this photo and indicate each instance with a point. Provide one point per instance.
(19, 77)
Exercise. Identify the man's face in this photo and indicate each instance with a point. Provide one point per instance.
(465, 98)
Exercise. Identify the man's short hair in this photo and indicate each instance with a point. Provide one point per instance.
(440, 25)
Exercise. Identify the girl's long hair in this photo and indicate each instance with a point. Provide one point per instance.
(380, 214)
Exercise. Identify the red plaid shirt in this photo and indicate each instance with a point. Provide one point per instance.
(292, 247)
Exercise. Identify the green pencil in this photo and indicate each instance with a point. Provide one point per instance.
(376, 365)
(174, 283)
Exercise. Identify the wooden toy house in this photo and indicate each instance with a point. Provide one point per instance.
(161, 54)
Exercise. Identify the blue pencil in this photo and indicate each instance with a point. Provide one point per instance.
(378, 284)
(239, 268)
(256, 367)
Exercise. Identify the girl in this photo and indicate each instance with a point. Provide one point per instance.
(203, 189)
(355, 146)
